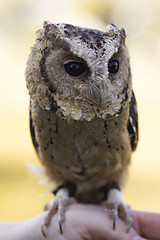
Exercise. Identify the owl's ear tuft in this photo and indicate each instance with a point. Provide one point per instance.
(54, 37)
(123, 35)
(111, 29)
(45, 23)
(51, 31)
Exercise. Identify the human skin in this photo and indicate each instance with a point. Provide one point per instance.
(84, 222)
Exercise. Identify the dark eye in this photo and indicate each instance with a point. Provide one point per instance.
(75, 69)
(113, 66)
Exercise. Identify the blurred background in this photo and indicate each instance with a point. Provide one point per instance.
(19, 20)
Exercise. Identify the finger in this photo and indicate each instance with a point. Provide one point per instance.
(148, 224)
(139, 238)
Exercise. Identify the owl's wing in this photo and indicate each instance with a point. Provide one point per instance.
(32, 131)
(132, 125)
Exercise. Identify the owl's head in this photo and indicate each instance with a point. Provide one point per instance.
(84, 72)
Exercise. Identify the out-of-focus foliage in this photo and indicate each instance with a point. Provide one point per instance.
(19, 21)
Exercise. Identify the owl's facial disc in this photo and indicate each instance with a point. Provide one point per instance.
(77, 69)
(85, 66)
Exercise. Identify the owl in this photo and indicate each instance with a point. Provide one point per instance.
(83, 115)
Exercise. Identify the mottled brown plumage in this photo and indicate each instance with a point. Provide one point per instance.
(82, 109)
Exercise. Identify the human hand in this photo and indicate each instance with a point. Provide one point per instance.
(85, 222)
(92, 222)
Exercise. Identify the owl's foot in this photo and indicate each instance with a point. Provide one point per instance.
(59, 203)
(116, 206)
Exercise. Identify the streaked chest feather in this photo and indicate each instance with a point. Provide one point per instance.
(81, 150)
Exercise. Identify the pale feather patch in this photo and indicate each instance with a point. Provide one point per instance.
(40, 173)
(78, 109)
(115, 196)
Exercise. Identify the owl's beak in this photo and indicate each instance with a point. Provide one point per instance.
(96, 95)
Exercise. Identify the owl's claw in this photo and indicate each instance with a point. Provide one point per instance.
(114, 220)
(44, 228)
(60, 227)
(130, 223)
(60, 201)
(117, 207)
(46, 221)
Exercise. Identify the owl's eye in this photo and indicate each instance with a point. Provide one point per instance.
(75, 69)
(113, 66)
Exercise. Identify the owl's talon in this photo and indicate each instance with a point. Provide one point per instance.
(60, 227)
(60, 218)
(44, 228)
(114, 221)
(60, 201)
(130, 223)
(117, 207)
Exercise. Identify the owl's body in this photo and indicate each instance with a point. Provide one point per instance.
(88, 153)
(82, 107)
